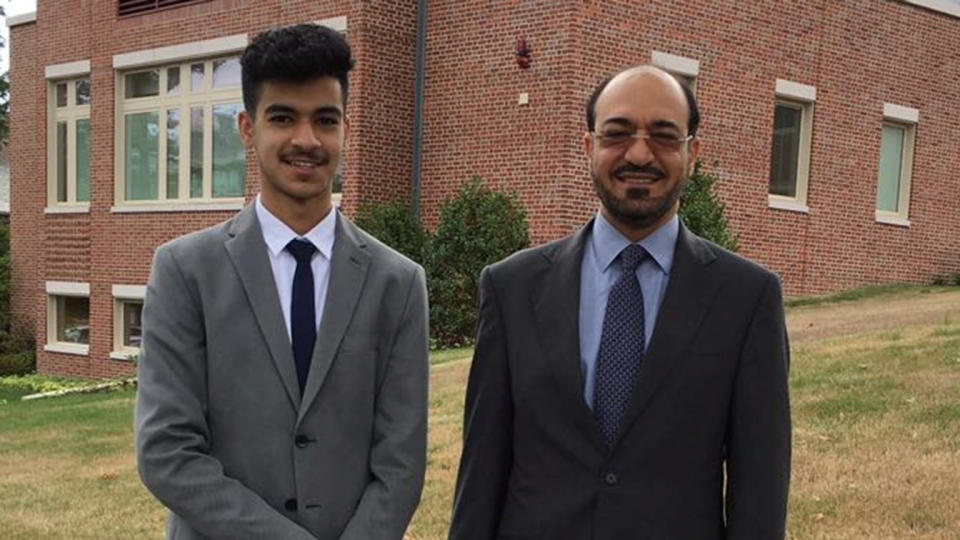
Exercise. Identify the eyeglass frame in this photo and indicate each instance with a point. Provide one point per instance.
(674, 142)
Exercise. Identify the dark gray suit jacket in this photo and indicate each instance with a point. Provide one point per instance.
(711, 393)
(225, 440)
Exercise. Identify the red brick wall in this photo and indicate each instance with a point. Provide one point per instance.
(858, 54)
(104, 248)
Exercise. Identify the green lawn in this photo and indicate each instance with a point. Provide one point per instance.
(876, 448)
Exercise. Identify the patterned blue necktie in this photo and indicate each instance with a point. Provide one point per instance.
(621, 346)
(303, 315)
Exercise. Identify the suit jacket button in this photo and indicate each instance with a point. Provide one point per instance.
(291, 505)
(301, 441)
(610, 479)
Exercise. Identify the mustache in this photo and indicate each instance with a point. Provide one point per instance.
(630, 168)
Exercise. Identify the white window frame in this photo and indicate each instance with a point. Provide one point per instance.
(67, 73)
(121, 295)
(803, 96)
(681, 67)
(182, 55)
(56, 289)
(906, 118)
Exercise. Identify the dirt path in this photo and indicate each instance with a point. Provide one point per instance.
(888, 312)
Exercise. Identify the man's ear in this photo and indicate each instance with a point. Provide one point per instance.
(693, 150)
(245, 125)
(588, 144)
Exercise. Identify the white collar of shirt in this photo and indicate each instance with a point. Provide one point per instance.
(608, 242)
(277, 234)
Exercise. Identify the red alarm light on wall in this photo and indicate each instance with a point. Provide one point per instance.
(523, 53)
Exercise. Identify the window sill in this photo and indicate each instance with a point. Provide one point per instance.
(127, 355)
(82, 208)
(68, 348)
(887, 219)
(791, 206)
(226, 206)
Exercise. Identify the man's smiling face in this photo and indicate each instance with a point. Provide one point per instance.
(639, 158)
(298, 133)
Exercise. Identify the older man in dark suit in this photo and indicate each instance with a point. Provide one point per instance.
(630, 380)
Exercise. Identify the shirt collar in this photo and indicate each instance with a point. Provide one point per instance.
(608, 242)
(278, 234)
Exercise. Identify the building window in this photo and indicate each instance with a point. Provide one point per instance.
(68, 143)
(684, 69)
(790, 152)
(895, 164)
(178, 133)
(127, 325)
(137, 7)
(68, 317)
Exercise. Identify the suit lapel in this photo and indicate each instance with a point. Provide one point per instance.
(557, 311)
(348, 270)
(689, 294)
(249, 256)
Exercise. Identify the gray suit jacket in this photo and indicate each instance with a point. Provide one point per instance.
(223, 437)
(704, 452)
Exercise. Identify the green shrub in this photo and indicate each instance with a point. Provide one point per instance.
(702, 212)
(394, 224)
(477, 227)
(17, 363)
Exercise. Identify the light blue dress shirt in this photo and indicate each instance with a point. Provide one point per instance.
(600, 269)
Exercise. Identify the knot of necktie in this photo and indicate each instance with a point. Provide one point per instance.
(631, 256)
(301, 250)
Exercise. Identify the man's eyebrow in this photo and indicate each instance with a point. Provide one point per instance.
(619, 121)
(279, 108)
(664, 124)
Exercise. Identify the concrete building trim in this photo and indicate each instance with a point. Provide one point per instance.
(334, 23)
(78, 208)
(23, 18)
(68, 288)
(179, 52)
(129, 292)
(795, 90)
(140, 208)
(67, 69)
(901, 113)
(679, 65)
(943, 6)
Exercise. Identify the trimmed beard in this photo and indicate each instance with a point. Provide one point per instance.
(631, 215)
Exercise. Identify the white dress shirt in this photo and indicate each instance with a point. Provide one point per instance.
(276, 234)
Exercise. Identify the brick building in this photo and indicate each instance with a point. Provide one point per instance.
(833, 127)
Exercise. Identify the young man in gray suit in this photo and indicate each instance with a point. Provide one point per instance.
(283, 371)
(630, 380)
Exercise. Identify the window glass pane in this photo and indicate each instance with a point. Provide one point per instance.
(73, 319)
(226, 72)
(131, 323)
(61, 162)
(143, 84)
(173, 153)
(83, 92)
(196, 77)
(173, 80)
(891, 162)
(229, 165)
(141, 149)
(786, 150)
(61, 94)
(196, 152)
(83, 160)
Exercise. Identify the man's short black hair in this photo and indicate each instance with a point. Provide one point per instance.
(693, 122)
(296, 54)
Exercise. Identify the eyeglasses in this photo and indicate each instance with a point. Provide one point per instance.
(657, 141)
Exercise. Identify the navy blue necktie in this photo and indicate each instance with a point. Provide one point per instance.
(621, 346)
(303, 314)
